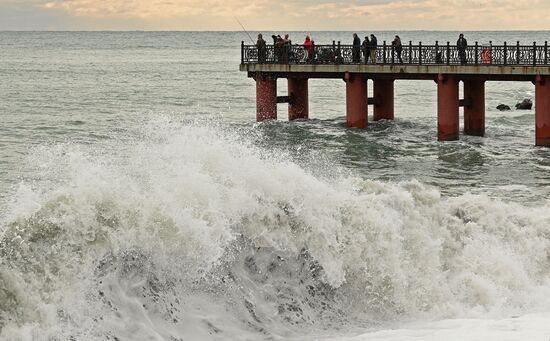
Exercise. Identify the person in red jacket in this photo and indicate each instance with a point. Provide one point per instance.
(308, 45)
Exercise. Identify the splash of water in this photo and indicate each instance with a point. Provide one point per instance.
(197, 233)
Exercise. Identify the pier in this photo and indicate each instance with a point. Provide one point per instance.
(444, 64)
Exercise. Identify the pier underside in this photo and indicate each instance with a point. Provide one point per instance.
(447, 78)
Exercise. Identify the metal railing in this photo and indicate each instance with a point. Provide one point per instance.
(447, 54)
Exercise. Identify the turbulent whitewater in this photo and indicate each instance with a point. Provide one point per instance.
(190, 237)
(139, 200)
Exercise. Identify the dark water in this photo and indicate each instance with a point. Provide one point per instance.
(92, 88)
(141, 200)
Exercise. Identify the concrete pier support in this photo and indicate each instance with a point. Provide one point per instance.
(356, 101)
(266, 97)
(542, 111)
(474, 110)
(299, 104)
(447, 108)
(384, 99)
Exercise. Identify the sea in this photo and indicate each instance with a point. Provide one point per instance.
(140, 200)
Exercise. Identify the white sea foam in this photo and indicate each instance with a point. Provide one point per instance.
(528, 327)
(197, 234)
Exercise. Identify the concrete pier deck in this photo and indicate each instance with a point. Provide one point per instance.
(446, 65)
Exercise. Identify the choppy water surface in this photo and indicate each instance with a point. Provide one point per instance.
(139, 200)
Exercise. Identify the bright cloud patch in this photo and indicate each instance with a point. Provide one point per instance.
(153, 8)
(302, 14)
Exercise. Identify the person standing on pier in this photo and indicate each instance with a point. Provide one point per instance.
(461, 45)
(373, 47)
(287, 40)
(356, 54)
(287, 47)
(261, 45)
(308, 46)
(366, 49)
(277, 48)
(398, 48)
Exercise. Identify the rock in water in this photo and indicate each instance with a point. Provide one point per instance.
(503, 107)
(526, 104)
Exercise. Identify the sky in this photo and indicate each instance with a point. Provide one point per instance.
(286, 15)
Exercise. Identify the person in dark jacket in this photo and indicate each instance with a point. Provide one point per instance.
(397, 48)
(373, 47)
(287, 47)
(262, 49)
(278, 48)
(356, 53)
(461, 45)
(366, 49)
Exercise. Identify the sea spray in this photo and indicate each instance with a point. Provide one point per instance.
(197, 233)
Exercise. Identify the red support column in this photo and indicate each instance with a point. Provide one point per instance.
(266, 97)
(447, 108)
(299, 104)
(474, 111)
(383, 94)
(542, 111)
(356, 101)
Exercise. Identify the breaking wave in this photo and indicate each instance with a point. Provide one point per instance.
(196, 233)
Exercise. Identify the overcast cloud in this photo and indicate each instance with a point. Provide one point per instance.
(274, 15)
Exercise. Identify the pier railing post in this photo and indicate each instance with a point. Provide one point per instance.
(436, 50)
(546, 53)
(410, 51)
(491, 49)
(339, 58)
(242, 52)
(517, 53)
(384, 53)
(367, 54)
(392, 54)
(534, 53)
(420, 52)
(476, 51)
(505, 54)
(448, 53)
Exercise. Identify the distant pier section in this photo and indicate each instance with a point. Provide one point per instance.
(444, 64)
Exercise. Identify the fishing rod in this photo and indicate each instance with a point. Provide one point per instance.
(252, 40)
